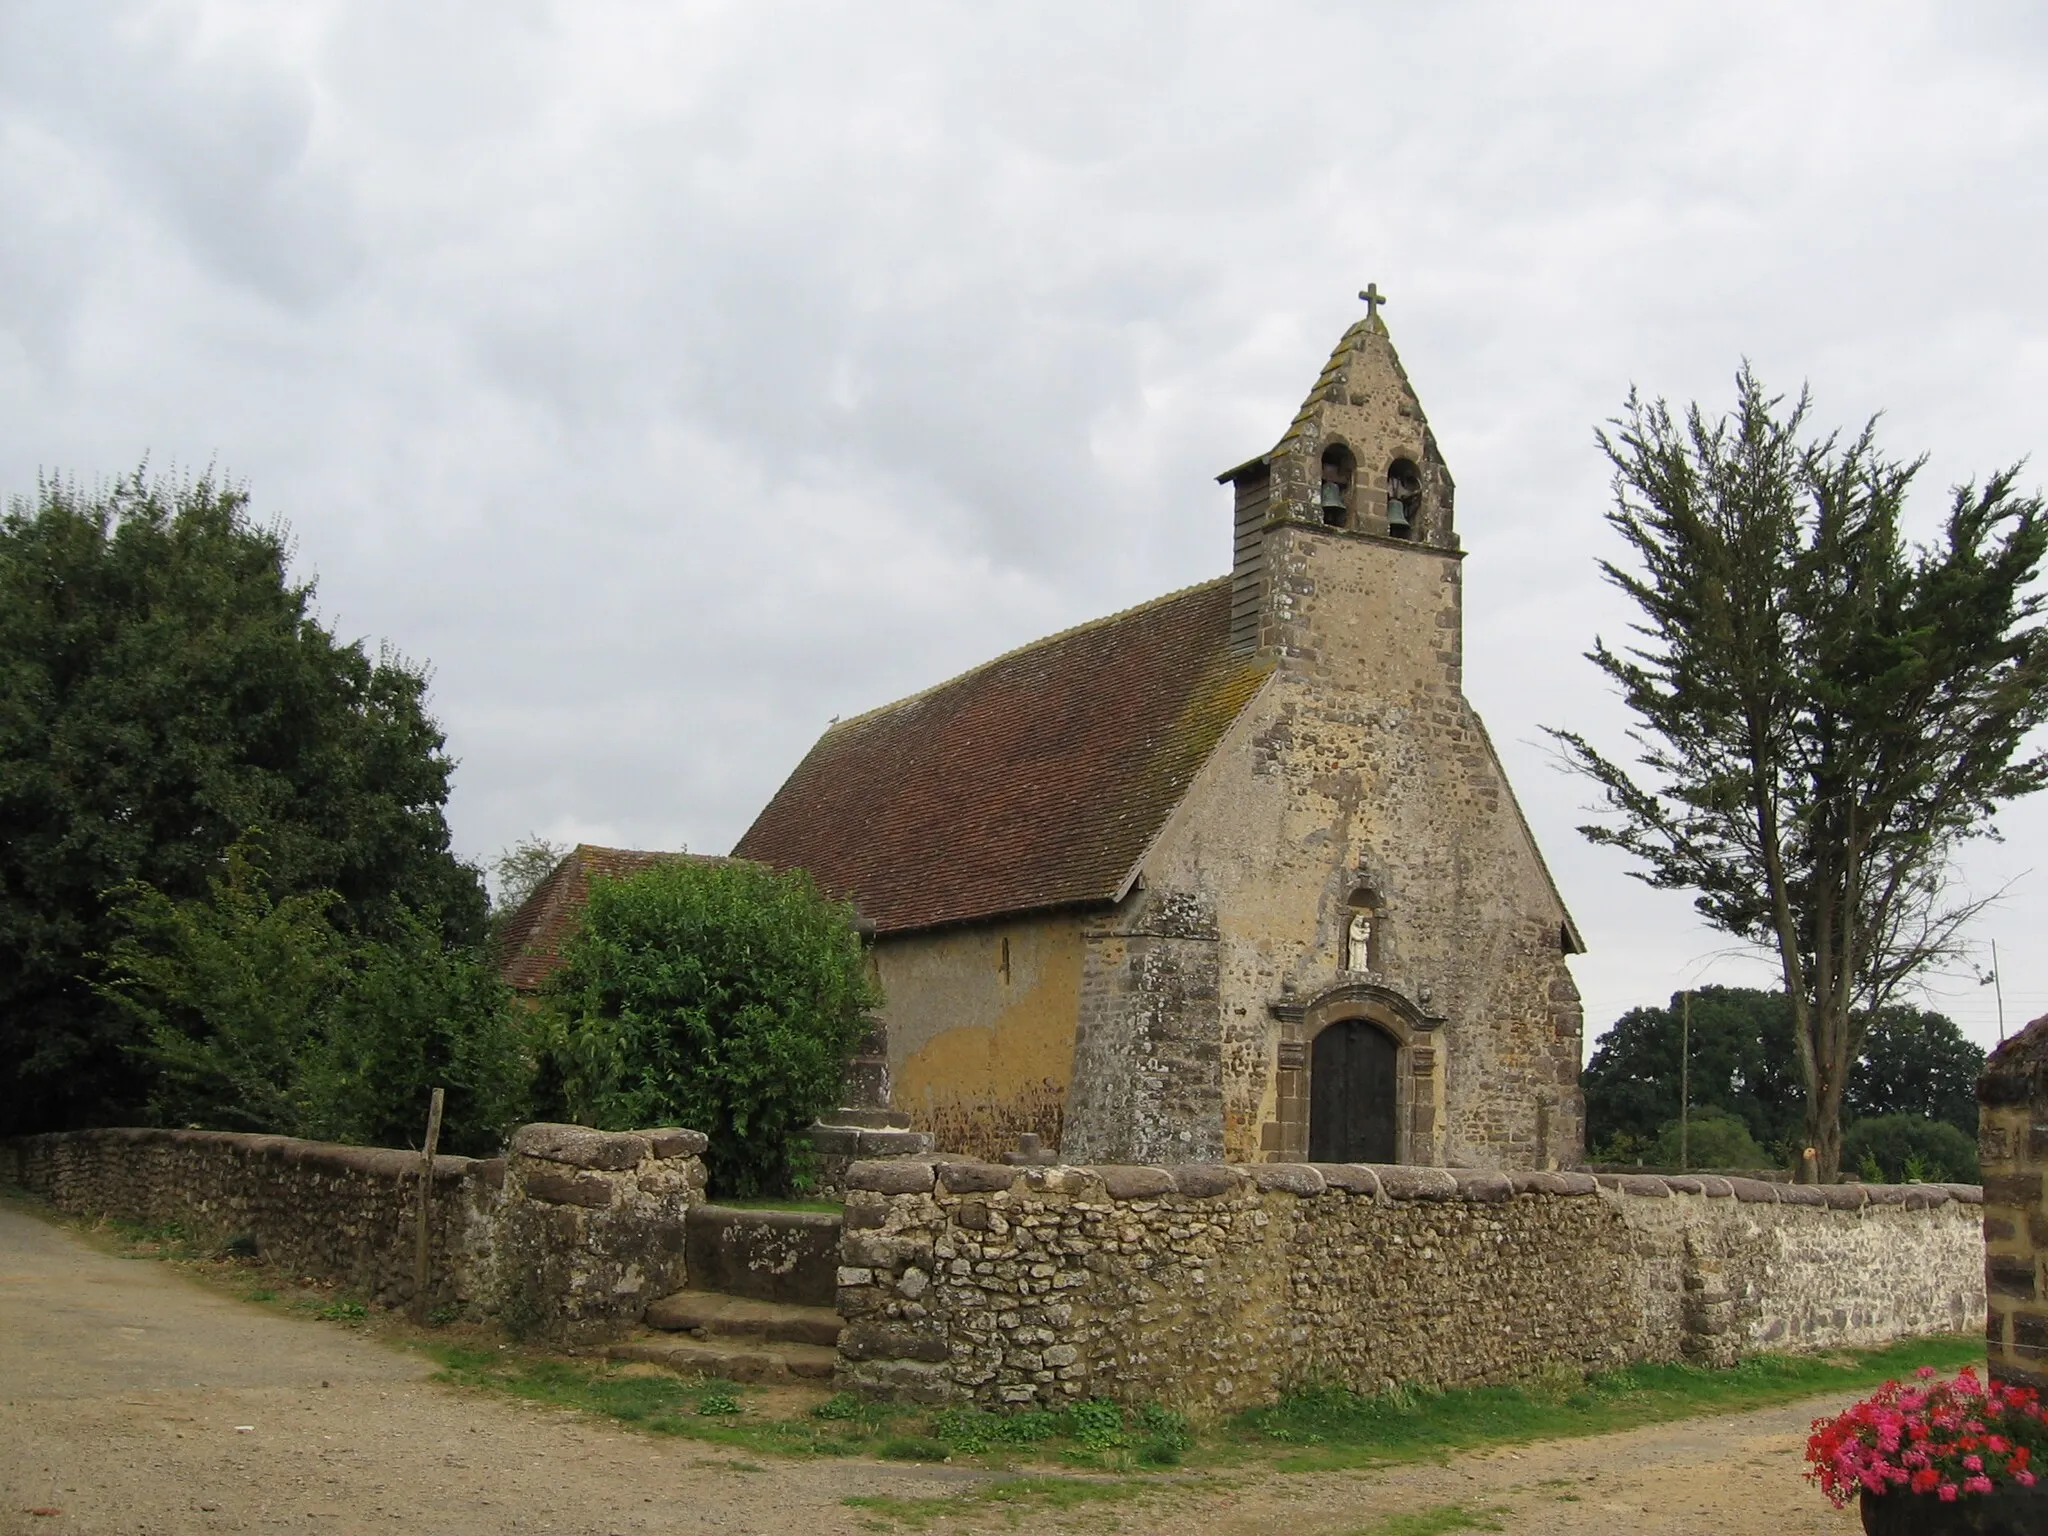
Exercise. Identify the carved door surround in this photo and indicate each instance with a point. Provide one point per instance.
(1418, 1083)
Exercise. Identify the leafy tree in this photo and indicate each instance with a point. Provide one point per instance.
(725, 997)
(1912, 1062)
(1712, 1138)
(258, 1013)
(1742, 1062)
(1916, 1063)
(1823, 714)
(1895, 1148)
(520, 870)
(164, 688)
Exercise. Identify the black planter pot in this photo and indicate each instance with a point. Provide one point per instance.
(2010, 1511)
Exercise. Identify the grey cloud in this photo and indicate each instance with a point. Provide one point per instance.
(678, 376)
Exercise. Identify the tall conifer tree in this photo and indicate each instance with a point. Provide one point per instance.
(1823, 713)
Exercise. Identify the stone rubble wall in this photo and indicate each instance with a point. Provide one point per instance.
(1213, 1288)
(2012, 1146)
(567, 1239)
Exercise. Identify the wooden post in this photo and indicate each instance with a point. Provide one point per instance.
(1685, 1085)
(421, 1269)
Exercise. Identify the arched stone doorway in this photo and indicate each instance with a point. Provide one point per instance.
(1354, 1094)
(1368, 1056)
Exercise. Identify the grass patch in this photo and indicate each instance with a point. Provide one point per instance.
(713, 1411)
(1015, 1495)
(1331, 1427)
(1433, 1521)
(793, 1203)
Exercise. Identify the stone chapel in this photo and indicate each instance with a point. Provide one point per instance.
(1234, 874)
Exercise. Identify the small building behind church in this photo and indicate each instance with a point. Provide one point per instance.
(1235, 874)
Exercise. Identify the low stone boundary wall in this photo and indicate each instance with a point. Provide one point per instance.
(567, 1238)
(1213, 1288)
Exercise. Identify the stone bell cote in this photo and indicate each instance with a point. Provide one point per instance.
(1358, 462)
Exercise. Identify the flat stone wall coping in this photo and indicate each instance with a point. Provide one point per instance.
(1133, 1181)
(976, 1178)
(1754, 1191)
(1293, 1178)
(1843, 1197)
(1400, 1181)
(895, 1176)
(673, 1141)
(581, 1147)
(1485, 1188)
(1351, 1178)
(1963, 1194)
(1206, 1181)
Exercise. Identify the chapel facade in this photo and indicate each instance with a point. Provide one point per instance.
(1232, 875)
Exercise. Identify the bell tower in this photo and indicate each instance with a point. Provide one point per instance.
(1358, 464)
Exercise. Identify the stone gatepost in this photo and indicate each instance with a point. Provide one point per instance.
(592, 1228)
(2012, 1144)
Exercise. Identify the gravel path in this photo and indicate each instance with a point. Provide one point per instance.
(135, 1399)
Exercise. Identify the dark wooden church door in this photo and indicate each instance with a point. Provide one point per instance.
(1351, 1094)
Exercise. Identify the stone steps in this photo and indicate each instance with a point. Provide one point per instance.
(731, 1359)
(716, 1315)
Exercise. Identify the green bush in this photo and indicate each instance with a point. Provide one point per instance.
(260, 1013)
(1903, 1147)
(723, 997)
(1715, 1138)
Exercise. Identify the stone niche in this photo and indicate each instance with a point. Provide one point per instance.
(2012, 1145)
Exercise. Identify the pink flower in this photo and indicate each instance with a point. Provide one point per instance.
(1973, 1463)
(2024, 1478)
(1947, 1492)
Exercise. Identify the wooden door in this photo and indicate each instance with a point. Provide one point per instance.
(1351, 1094)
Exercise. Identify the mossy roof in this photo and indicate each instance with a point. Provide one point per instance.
(1036, 780)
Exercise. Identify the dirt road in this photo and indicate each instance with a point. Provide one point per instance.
(135, 1399)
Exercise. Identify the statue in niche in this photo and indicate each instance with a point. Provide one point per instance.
(1358, 940)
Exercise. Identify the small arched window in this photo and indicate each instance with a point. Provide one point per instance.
(1404, 499)
(1363, 931)
(1333, 497)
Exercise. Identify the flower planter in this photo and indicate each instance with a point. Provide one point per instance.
(2006, 1511)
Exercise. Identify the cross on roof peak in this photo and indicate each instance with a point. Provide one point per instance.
(1373, 300)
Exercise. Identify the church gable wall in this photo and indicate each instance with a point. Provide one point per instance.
(1361, 768)
(980, 1026)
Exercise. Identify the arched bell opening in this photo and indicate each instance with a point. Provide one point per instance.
(1334, 496)
(1404, 499)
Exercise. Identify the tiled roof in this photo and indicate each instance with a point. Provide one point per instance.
(529, 946)
(1036, 780)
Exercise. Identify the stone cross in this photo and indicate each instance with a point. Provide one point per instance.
(1373, 300)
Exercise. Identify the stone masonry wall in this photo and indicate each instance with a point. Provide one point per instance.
(2012, 1145)
(567, 1239)
(1213, 1288)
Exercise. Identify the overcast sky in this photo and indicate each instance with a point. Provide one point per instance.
(674, 377)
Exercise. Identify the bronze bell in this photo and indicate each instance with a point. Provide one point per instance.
(1397, 512)
(1332, 499)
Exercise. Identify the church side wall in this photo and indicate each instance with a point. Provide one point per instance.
(980, 1024)
(1360, 766)
(1213, 1289)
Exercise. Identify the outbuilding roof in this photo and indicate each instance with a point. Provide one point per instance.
(1036, 780)
(529, 946)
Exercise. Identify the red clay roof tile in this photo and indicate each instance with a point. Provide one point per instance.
(1036, 780)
